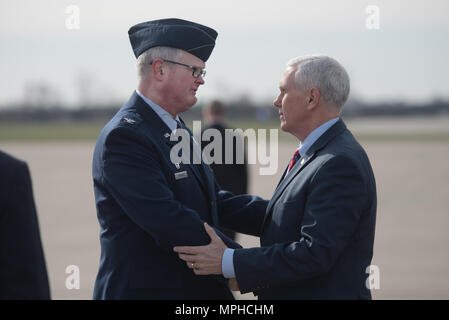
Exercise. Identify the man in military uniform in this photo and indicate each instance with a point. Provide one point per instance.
(147, 204)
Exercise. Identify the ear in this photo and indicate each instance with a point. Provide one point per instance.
(157, 69)
(313, 98)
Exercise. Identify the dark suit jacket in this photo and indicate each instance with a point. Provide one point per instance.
(318, 234)
(23, 274)
(144, 211)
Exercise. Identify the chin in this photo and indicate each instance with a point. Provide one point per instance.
(283, 126)
(193, 101)
(189, 104)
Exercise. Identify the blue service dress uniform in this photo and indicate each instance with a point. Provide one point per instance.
(146, 205)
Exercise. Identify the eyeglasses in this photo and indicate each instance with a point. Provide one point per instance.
(196, 71)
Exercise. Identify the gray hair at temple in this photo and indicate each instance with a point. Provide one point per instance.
(146, 58)
(325, 74)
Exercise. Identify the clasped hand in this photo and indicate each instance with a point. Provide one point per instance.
(205, 260)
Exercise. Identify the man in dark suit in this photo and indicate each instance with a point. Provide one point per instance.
(147, 201)
(23, 274)
(232, 176)
(318, 232)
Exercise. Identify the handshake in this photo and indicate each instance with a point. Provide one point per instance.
(206, 260)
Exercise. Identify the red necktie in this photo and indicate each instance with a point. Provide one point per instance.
(294, 159)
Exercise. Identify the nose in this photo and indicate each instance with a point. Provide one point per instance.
(277, 102)
(200, 80)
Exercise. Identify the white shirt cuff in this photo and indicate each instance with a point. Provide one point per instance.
(227, 264)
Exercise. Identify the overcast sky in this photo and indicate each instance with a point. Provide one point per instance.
(406, 59)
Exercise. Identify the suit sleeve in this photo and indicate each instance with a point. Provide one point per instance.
(133, 175)
(336, 199)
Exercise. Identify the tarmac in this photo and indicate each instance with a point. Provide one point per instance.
(411, 242)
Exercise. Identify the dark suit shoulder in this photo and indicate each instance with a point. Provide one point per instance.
(12, 170)
(345, 145)
(9, 163)
(345, 154)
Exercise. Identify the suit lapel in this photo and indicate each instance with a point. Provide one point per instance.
(302, 163)
(322, 142)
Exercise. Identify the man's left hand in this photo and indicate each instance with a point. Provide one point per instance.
(204, 259)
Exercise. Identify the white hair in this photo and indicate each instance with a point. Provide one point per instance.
(147, 57)
(325, 74)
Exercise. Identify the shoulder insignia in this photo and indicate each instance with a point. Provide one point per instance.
(131, 119)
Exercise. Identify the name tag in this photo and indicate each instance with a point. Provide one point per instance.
(181, 175)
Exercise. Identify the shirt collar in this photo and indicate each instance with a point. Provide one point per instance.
(162, 113)
(314, 135)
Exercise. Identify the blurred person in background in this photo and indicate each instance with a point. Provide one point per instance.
(230, 176)
(317, 236)
(23, 273)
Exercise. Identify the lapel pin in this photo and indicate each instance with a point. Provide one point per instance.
(177, 165)
(167, 135)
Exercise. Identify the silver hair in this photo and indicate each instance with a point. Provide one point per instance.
(325, 74)
(146, 58)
